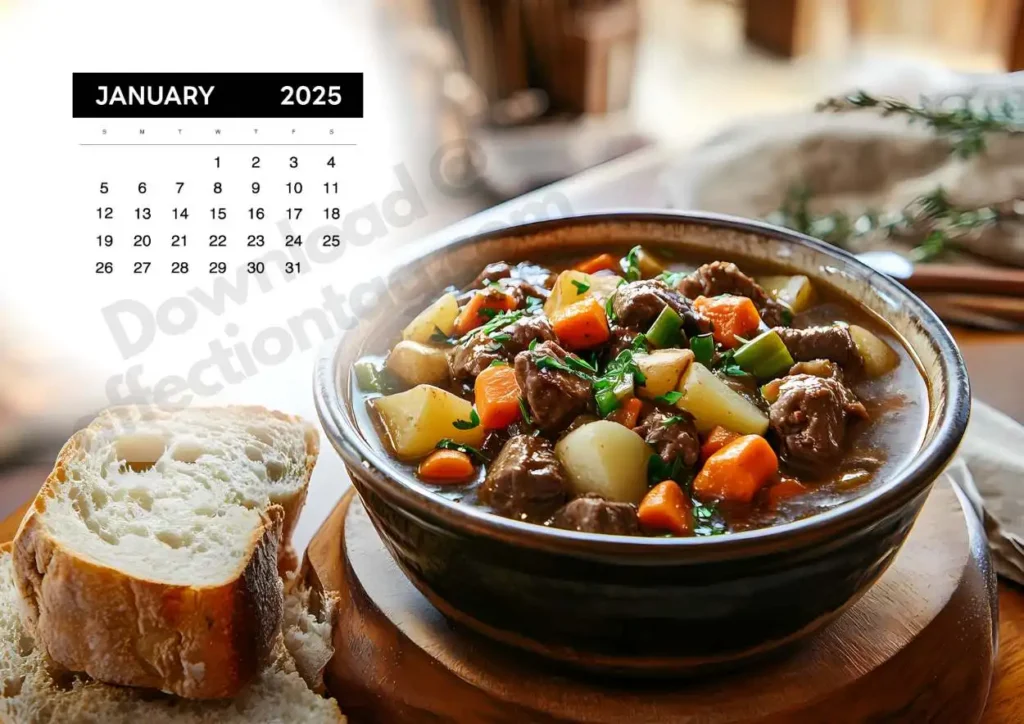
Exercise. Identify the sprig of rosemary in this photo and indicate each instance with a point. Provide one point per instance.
(966, 125)
(931, 222)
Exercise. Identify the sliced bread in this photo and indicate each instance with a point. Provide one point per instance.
(150, 556)
(33, 690)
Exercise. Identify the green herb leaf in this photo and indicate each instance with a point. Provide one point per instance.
(581, 287)
(473, 421)
(670, 421)
(609, 307)
(440, 337)
(498, 363)
(670, 398)
(533, 343)
(547, 362)
(499, 321)
(449, 444)
(672, 279)
(524, 411)
(501, 337)
(488, 312)
(631, 265)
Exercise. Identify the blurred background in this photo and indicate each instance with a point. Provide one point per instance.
(533, 91)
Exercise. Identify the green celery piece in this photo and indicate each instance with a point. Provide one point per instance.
(368, 377)
(665, 330)
(703, 347)
(765, 356)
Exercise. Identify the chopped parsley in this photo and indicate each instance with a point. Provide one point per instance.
(581, 287)
(631, 264)
(497, 322)
(533, 343)
(571, 365)
(619, 378)
(669, 398)
(498, 363)
(449, 444)
(501, 337)
(658, 470)
(488, 312)
(524, 411)
(441, 338)
(673, 279)
(727, 365)
(787, 316)
(708, 521)
(670, 421)
(609, 307)
(473, 421)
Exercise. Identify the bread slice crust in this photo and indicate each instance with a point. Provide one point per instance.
(195, 641)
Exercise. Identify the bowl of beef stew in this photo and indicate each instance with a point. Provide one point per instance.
(643, 443)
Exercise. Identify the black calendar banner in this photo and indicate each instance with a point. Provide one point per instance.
(218, 95)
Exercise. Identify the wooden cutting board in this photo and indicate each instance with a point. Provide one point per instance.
(918, 646)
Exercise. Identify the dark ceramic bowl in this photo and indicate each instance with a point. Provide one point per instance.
(643, 605)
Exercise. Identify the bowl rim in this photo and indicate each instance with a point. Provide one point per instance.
(368, 465)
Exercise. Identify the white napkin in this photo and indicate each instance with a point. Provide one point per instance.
(990, 471)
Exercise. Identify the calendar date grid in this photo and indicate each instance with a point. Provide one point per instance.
(199, 220)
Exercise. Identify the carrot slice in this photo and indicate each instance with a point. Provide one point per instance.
(787, 488)
(730, 315)
(472, 315)
(581, 325)
(446, 466)
(497, 397)
(718, 438)
(666, 507)
(628, 414)
(737, 471)
(599, 263)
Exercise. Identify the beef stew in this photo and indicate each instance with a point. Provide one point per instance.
(636, 397)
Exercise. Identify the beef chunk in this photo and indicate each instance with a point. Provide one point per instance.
(677, 439)
(638, 304)
(532, 274)
(470, 358)
(593, 514)
(810, 418)
(525, 481)
(816, 343)
(555, 397)
(521, 290)
(724, 277)
(619, 339)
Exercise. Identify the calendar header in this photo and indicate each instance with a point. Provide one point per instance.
(218, 95)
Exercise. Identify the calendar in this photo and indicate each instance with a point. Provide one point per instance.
(193, 174)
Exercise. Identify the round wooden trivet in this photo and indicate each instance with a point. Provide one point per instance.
(917, 647)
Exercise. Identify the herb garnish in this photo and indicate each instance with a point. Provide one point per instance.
(727, 365)
(498, 321)
(571, 365)
(619, 378)
(473, 421)
(669, 398)
(708, 521)
(672, 279)
(670, 421)
(498, 363)
(533, 343)
(581, 287)
(609, 307)
(631, 264)
(524, 411)
(440, 337)
(658, 470)
(488, 312)
(449, 444)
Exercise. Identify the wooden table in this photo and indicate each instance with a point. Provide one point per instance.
(993, 361)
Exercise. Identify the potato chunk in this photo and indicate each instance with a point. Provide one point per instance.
(438, 316)
(878, 357)
(566, 292)
(418, 364)
(796, 292)
(416, 420)
(712, 402)
(606, 458)
(663, 369)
